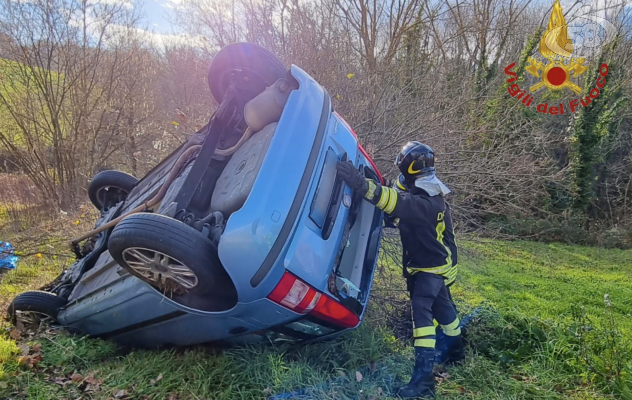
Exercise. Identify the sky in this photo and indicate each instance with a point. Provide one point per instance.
(158, 13)
(158, 20)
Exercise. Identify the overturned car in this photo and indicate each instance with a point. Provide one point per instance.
(244, 233)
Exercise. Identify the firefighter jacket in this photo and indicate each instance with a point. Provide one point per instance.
(424, 222)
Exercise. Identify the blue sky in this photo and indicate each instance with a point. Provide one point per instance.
(157, 14)
(157, 25)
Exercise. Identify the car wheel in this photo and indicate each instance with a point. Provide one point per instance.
(29, 309)
(253, 66)
(110, 187)
(167, 254)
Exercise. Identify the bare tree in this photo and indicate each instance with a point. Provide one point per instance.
(380, 26)
(184, 85)
(59, 85)
(84, 93)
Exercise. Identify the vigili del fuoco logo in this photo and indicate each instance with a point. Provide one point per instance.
(556, 74)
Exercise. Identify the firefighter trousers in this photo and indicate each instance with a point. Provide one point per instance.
(430, 299)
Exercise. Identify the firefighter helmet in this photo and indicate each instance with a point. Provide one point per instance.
(415, 160)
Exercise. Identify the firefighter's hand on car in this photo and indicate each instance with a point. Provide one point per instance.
(350, 174)
(380, 196)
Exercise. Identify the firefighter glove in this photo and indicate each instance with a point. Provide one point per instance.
(350, 174)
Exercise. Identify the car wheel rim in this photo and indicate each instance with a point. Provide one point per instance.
(102, 193)
(160, 268)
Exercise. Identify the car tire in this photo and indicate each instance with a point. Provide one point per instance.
(43, 303)
(243, 57)
(110, 183)
(169, 255)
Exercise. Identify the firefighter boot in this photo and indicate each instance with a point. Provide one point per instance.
(441, 346)
(422, 383)
(450, 350)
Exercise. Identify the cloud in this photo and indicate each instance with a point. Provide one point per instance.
(124, 3)
(100, 28)
(156, 40)
(172, 4)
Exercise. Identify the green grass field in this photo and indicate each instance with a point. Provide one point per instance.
(543, 331)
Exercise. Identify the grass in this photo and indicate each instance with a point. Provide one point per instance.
(531, 340)
(18, 85)
(542, 280)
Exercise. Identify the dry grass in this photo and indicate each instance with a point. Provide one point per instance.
(32, 225)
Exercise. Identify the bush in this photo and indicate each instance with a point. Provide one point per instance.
(594, 353)
(602, 350)
(545, 230)
(562, 230)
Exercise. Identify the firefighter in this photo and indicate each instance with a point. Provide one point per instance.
(427, 258)
(444, 353)
(400, 186)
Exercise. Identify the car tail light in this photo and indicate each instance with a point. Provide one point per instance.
(330, 310)
(295, 294)
(299, 297)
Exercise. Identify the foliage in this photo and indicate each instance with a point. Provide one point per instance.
(595, 125)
